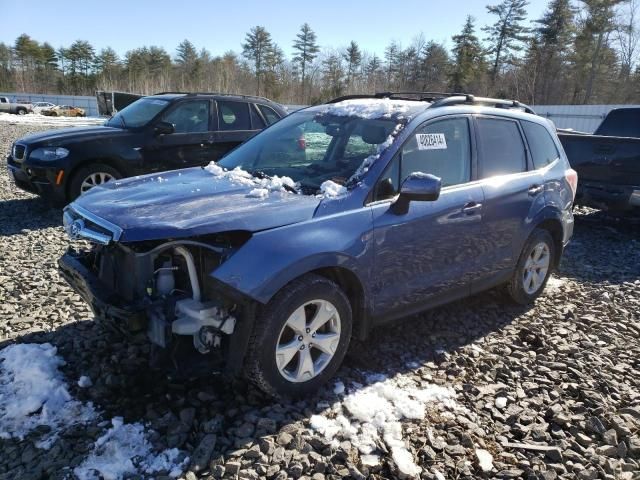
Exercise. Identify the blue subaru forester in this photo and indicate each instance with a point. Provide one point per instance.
(335, 219)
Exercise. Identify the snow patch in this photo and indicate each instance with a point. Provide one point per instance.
(84, 382)
(373, 413)
(331, 189)
(125, 450)
(369, 107)
(33, 393)
(38, 119)
(485, 460)
(258, 193)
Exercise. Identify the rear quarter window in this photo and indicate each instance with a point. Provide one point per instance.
(269, 114)
(542, 147)
(500, 147)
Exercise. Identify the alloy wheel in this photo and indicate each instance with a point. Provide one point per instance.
(536, 268)
(308, 341)
(97, 178)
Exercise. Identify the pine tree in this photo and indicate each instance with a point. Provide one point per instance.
(434, 66)
(353, 57)
(257, 48)
(508, 33)
(306, 50)
(548, 52)
(468, 57)
(333, 72)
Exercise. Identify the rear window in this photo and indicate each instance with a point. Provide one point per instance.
(543, 148)
(500, 147)
(233, 115)
(624, 122)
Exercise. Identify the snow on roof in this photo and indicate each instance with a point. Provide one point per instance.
(370, 108)
(373, 413)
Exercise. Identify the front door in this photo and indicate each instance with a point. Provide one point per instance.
(431, 252)
(187, 145)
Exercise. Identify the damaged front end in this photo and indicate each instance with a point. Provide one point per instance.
(162, 288)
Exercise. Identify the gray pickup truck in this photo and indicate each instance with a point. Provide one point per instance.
(17, 108)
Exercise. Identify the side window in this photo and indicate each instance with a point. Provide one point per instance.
(269, 114)
(256, 121)
(500, 147)
(233, 115)
(542, 147)
(363, 141)
(189, 117)
(441, 148)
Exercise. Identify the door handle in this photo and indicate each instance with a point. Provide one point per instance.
(471, 207)
(535, 190)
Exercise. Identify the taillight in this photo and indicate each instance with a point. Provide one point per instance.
(302, 143)
(572, 178)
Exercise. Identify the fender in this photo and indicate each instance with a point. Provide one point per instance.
(285, 253)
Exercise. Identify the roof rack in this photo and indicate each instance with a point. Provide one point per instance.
(465, 99)
(423, 96)
(213, 93)
(443, 99)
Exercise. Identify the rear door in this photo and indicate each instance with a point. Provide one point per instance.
(513, 192)
(187, 145)
(431, 252)
(237, 122)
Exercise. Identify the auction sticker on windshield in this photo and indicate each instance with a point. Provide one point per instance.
(431, 141)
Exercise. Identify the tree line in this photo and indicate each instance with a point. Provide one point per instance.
(578, 52)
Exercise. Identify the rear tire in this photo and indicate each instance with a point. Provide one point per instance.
(91, 175)
(21, 111)
(282, 359)
(533, 269)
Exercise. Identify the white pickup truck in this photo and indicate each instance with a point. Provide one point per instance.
(17, 108)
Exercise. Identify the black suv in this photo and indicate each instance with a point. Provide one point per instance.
(162, 132)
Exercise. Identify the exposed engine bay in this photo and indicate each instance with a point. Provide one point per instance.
(163, 289)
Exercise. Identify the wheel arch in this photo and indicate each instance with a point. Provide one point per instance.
(351, 285)
(110, 161)
(554, 227)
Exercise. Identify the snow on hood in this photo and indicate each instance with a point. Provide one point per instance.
(262, 186)
(33, 393)
(373, 413)
(369, 108)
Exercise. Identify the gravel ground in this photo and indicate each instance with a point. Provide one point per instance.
(541, 392)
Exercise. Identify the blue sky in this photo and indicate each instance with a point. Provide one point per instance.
(221, 25)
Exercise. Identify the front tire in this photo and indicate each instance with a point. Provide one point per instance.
(91, 176)
(534, 268)
(300, 338)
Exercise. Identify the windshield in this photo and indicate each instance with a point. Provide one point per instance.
(138, 114)
(311, 148)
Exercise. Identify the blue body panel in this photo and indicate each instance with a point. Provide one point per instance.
(436, 251)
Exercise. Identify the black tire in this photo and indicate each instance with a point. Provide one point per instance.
(21, 111)
(516, 287)
(75, 187)
(260, 362)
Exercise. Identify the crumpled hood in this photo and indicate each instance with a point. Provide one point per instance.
(71, 135)
(189, 202)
